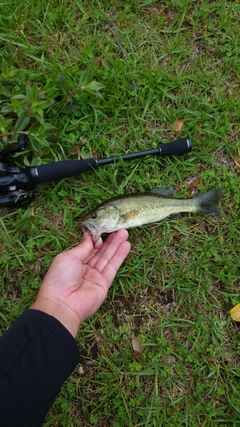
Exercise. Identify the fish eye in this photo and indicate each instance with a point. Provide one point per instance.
(94, 215)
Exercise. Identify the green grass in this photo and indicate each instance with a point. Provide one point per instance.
(100, 78)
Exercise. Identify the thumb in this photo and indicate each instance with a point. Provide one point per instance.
(84, 249)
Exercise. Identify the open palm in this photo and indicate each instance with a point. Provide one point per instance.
(78, 280)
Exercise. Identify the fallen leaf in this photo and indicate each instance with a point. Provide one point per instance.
(235, 313)
(105, 423)
(137, 348)
(137, 355)
(166, 16)
(178, 124)
(195, 182)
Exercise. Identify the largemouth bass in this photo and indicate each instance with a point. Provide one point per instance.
(134, 210)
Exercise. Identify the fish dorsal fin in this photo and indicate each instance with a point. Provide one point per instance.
(163, 191)
(130, 215)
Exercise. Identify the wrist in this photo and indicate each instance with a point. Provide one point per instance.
(59, 310)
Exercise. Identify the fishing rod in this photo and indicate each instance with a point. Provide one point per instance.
(17, 184)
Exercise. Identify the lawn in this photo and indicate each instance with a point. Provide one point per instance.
(96, 78)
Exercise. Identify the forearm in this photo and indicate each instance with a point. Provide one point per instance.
(37, 356)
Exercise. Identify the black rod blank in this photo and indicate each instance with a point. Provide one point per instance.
(177, 147)
(58, 170)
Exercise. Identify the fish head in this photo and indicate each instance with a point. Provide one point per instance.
(101, 220)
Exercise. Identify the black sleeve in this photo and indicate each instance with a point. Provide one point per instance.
(37, 354)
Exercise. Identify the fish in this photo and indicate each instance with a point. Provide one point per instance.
(134, 210)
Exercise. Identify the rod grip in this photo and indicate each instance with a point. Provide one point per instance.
(177, 147)
(55, 171)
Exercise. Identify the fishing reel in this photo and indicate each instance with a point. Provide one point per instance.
(16, 187)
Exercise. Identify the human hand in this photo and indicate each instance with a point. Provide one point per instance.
(78, 280)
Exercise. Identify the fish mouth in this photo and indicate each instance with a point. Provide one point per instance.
(93, 229)
(84, 228)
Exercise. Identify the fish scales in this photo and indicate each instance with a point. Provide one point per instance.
(150, 208)
(144, 208)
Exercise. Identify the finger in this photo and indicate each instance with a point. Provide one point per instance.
(95, 256)
(96, 253)
(99, 242)
(108, 250)
(111, 268)
(84, 249)
(86, 233)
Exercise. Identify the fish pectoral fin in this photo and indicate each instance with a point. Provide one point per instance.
(129, 215)
(163, 191)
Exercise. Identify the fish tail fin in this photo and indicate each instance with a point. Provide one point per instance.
(208, 203)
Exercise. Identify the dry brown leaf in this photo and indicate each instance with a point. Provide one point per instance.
(137, 348)
(166, 16)
(138, 356)
(195, 183)
(178, 124)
